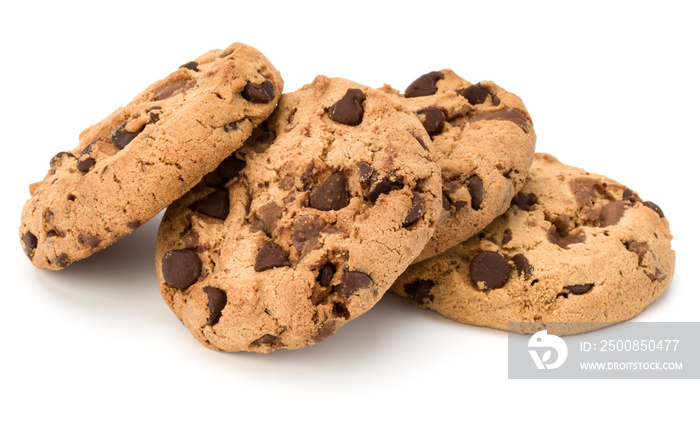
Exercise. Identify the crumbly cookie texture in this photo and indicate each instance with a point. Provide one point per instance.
(305, 227)
(573, 247)
(147, 154)
(485, 142)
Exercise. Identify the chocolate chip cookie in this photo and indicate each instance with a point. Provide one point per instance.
(573, 247)
(485, 141)
(145, 155)
(306, 226)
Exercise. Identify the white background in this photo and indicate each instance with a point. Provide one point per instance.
(92, 350)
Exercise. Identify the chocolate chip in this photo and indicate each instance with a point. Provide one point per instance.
(353, 281)
(268, 215)
(192, 65)
(85, 165)
(134, 224)
(325, 331)
(191, 239)
(87, 149)
(565, 241)
(216, 204)
(270, 256)
(452, 186)
(57, 159)
(365, 175)
(426, 85)
(305, 177)
(630, 195)
(348, 110)
(460, 205)
(372, 186)
(585, 189)
(522, 265)
(269, 340)
(256, 226)
(325, 275)
(489, 269)
(71, 197)
(434, 119)
(476, 191)
(62, 260)
(259, 93)
(153, 116)
(445, 202)
(475, 94)
(450, 193)
(340, 311)
(416, 211)
(526, 202)
(169, 90)
(330, 195)
(89, 240)
(612, 213)
(658, 275)
(640, 249)
(30, 243)
(231, 126)
(506, 114)
(419, 291)
(181, 268)
(85, 161)
(229, 168)
(59, 156)
(216, 303)
(579, 289)
(654, 207)
(507, 236)
(121, 137)
(383, 186)
(562, 224)
(422, 144)
(305, 228)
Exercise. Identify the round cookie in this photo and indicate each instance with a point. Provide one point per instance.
(145, 155)
(574, 247)
(485, 141)
(304, 228)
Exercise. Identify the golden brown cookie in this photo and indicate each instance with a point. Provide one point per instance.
(304, 228)
(573, 247)
(485, 141)
(145, 155)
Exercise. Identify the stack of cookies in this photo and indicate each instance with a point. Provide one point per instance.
(289, 215)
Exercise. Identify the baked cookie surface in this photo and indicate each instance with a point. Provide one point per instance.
(485, 142)
(573, 247)
(305, 227)
(147, 154)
